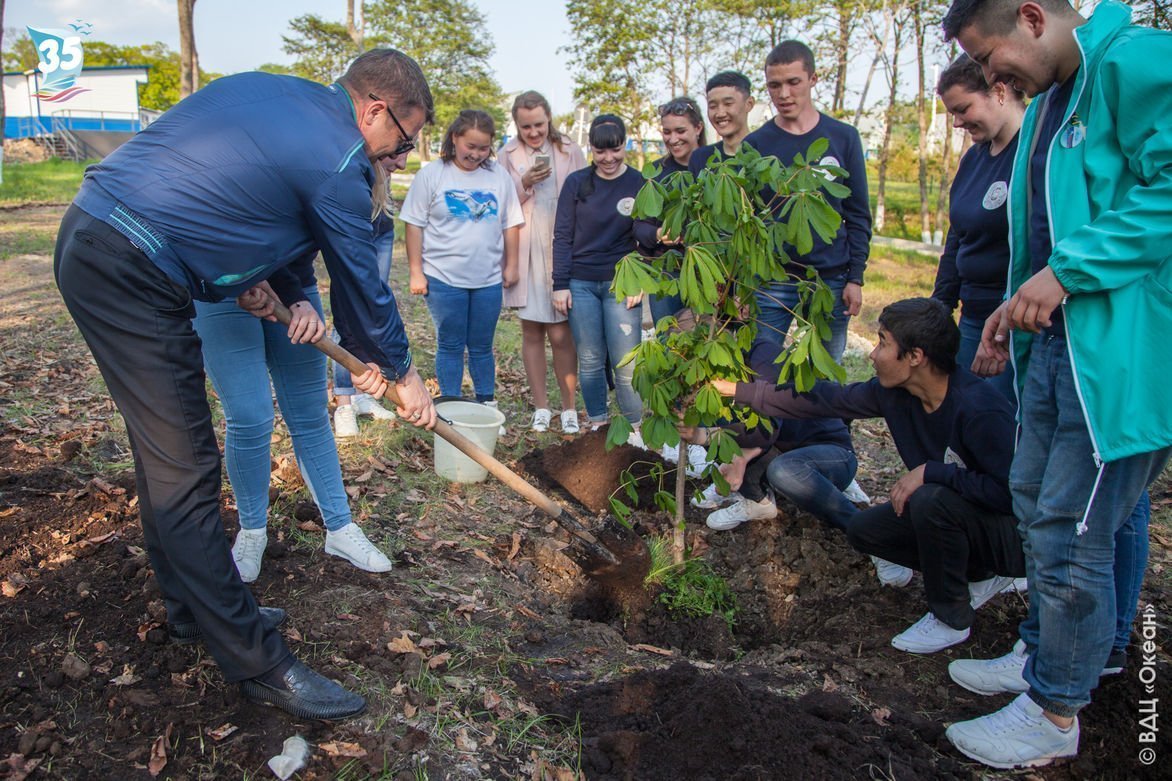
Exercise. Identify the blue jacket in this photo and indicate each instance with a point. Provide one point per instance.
(246, 176)
(1109, 191)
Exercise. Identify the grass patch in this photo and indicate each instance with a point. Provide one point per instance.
(49, 181)
(690, 590)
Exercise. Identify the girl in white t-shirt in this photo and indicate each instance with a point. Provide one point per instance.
(463, 222)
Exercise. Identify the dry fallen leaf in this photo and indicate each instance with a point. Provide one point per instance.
(158, 759)
(222, 731)
(438, 660)
(881, 715)
(127, 678)
(403, 645)
(336, 748)
(409, 710)
(464, 741)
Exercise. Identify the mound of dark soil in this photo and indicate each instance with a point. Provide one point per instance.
(682, 723)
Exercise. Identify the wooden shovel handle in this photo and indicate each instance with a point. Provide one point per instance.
(498, 470)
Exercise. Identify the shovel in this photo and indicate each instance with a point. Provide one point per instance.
(587, 550)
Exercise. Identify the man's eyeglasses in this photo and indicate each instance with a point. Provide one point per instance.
(408, 143)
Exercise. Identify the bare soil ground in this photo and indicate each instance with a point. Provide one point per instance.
(485, 653)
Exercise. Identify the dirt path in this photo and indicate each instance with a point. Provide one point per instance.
(484, 654)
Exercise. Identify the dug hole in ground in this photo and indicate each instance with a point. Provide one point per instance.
(485, 653)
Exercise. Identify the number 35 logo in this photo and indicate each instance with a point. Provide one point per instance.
(61, 58)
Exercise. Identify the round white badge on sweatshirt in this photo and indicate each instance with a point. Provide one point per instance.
(995, 196)
(828, 160)
(625, 206)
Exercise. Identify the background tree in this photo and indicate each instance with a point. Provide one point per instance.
(188, 57)
(896, 12)
(321, 49)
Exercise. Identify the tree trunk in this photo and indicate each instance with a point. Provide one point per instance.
(356, 29)
(188, 58)
(880, 46)
(918, 27)
(945, 183)
(1, 98)
(678, 539)
(845, 24)
(885, 150)
(424, 147)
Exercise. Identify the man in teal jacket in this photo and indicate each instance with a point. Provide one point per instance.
(1089, 318)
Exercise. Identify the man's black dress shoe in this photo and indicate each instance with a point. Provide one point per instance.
(189, 632)
(304, 693)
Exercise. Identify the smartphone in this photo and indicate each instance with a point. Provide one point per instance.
(542, 161)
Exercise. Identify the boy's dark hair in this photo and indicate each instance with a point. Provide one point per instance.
(607, 131)
(791, 51)
(964, 72)
(734, 79)
(925, 324)
(468, 119)
(996, 17)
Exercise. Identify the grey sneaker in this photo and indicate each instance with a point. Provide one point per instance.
(345, 421)
(364, 404)
(350, 543)
(541, 420)
(992, 676)
(740, 511)
(982, 591)
(247, 552)
(892, 574)
(1018, 735)
(570, 423)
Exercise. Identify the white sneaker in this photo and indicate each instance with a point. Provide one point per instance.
(928, 635)
(501, 431)
(743, 510)
(647, 334)
(892, 574)
(247, 552)
(992, 676)
(670, 453)
(1018, 735)
(697, 460)
(345, 421)
(982, 591)
(570, 421)
(541, 418)
(636, 440)
(365, 404)
(855, 493)
(1018, 586)
(351, 544)
(710, 498)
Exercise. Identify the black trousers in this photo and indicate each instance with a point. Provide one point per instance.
(137, 324)
(952, 541)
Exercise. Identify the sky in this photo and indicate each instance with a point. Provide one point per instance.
(239, 35)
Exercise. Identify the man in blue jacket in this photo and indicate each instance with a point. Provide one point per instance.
(1088, 316)
(219, 195)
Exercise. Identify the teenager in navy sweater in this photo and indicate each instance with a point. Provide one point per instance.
(592, 232)
(790, 77)
(730, 99)
(950, 516)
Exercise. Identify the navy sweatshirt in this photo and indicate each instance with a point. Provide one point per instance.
(975, 263)
(699, 158)
(591, 235)
(847, 253)
(966, 444)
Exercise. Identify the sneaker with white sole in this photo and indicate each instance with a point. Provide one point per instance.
(984, 590)
(570, 421)
(892, 574)
(635, 439)
(365, 404)
(992, 676)
(855, 493)
(697, 460)
(345, 422)
(710, 498)
(742, 510)
(928, 635)
(1018, 735)
(351, 544)
(541, 418)
(247, 552)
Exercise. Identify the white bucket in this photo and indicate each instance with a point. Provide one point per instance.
(479, 424)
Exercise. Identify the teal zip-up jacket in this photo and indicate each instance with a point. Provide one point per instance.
(1109, 197)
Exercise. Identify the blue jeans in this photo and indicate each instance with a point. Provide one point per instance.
(343, 385)
(241, 353)
(970, 340)
(813, 478)
(778, 302)
(465, 319)
(1056, 485)
(603, 326)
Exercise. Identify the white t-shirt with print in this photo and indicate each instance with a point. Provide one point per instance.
(463, 215)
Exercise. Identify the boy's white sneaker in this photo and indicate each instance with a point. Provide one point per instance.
(992, 676)
(929, 635)
(892, 574)
(1018, 735)
(710, 498)
(742, 510)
